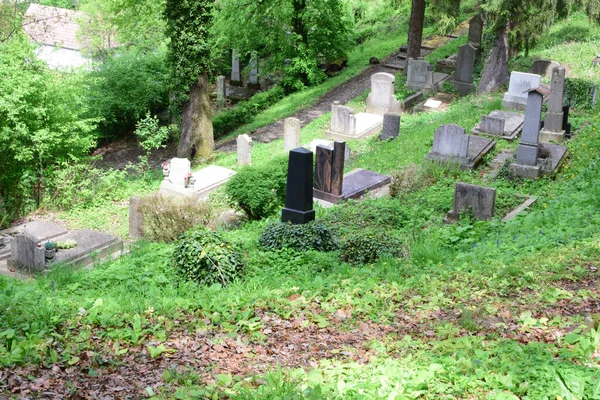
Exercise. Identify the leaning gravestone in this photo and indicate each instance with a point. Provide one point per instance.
(475, 32)
(291, 134)
(451, 145)
(481, 200)
(463, 77)
(391, 126)
(503, 124)
(236, 77)
(382, 98)
(244, 150)
(299, 191)
(518, 88)
(553, 124)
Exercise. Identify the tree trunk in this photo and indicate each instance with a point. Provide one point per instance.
(298, 22)
(415, 31)
(496, 73)
(196, 123)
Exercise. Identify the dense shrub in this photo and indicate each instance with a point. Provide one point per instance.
(311, 236)
(204, 257)
(259, 191)
(245, 111)
(579, 93)
(368, 246)
(165, 218)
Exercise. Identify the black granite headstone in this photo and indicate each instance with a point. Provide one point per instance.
(299, 192)
(566, 125)
(391, 126)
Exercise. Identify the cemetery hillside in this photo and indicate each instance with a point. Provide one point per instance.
(291, 199)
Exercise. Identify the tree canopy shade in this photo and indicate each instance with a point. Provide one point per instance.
(188, 26)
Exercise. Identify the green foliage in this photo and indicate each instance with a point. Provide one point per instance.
(188, 26)
(579, 93)
(126, 86)
(300, 237)
(259, 191)
(245, 111)
(370, 245)
(42, 124)
(302, 71)
(411, 178)
(165, 218)
(204, 257)
(65, 244)
(150, 135)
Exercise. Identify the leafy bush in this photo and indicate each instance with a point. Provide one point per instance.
(311, 236)
(259, 191)
(204, 257)
(301, 72)
(411, 178)
(165, 218)
(579, 93)
(245, 111)
(368, 246)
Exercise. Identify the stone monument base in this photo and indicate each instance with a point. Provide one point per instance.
(513, 124)
(297, 217)
(526, 171)
(463, 87)
(545, 166)
(366, 125)
(356, 183)
(549, 136)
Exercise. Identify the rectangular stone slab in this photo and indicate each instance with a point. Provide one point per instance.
(41, 230)
(207, 180)
(88, 242)
(366, 125)
(356, 183)
(513, 123)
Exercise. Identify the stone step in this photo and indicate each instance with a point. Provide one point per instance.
(394, 66)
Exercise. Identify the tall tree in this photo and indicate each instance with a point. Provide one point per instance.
(188, 26)
(415, 30)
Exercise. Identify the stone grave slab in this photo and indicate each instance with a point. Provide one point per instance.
(421, 77)
(365, 125)
(481, 200)
(92, 246)
(356, 183)
(447, 65)
(451, 145)
(432, 103)
(502, 124)
(207, 180)
(436, 104)
(312, 146)
(41, 230)
(518, 88)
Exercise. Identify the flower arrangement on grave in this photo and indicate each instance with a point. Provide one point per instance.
(166, 169)
(187, 179)
(50, 250)
(192, 181)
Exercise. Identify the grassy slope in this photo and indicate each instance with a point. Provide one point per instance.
(530, 272)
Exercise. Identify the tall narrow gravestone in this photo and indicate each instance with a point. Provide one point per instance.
(221, 94)
(527, 164)
(253, 80)
(244, 150)
(553, 126)
(291, 134)
(382, 98)
(236, 77)
(475, 32)
(329, 169)
(299, 192)
(463, 77)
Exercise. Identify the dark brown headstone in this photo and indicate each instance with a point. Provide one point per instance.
(337, 173)
(323, 168)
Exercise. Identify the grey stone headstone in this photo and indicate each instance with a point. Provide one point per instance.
(417, 71)
(520, 84)
(291, 134)
(532, 121)
(343, 120)
(254, 70)
(391, 126)
(244, 150)
(451, 140)
(180, 170)
(481, 200)
(475, 31)
(527, 154)
(221, 89)
(136, 218)
(382, 98)
(492, 125)
(543, 67)
(463, 77)
(235, 67)
(26, 254)
(554, 114)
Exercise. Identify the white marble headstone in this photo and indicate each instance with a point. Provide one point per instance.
(180, 170)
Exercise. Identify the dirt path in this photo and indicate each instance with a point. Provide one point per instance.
(343, 93)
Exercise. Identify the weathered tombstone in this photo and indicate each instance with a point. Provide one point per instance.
(526, 164)
(504, 124)
(253, 80)
(463, 77)
(136, 218)
(543, 67)
(492, 125)
(475, 32)
(221, 94)
(343, 120)
(329, 170)
(236, 77)
(520, 84)
(299, 191)
(420, 76)
(346, 125)
(244, 150)
(553, 126)
(382, 98)
(180, 172)
(27, 254)
(566, 125)
(451, 142)
(291, 134)
(391, 126)
(481, 200)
